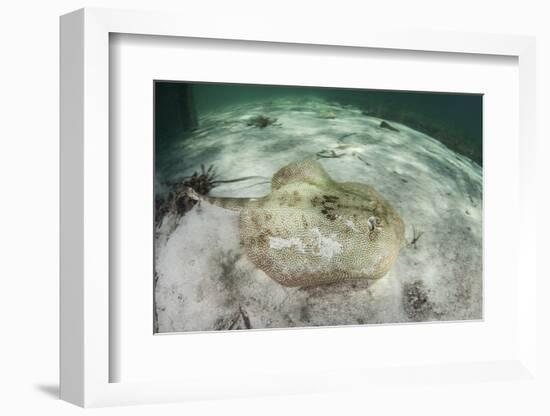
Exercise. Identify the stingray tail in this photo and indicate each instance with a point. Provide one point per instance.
(233, 204)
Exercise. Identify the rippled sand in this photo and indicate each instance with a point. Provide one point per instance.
(206, 282)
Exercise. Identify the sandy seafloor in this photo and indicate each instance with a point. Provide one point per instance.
(206, 282)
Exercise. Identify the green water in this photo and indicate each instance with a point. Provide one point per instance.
(454, 119)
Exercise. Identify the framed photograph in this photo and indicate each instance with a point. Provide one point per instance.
(243, 215)
(284, 207)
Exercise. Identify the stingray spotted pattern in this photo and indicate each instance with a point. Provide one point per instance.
(312, 230)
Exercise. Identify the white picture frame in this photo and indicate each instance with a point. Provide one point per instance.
(85, 213)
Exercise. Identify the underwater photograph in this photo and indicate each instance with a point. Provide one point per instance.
(289, 206)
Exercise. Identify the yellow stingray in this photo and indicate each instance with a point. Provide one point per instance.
(312, 230)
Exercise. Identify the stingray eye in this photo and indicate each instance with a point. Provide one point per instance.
(374, 223)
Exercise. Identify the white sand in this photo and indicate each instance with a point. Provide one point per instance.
(206, 282)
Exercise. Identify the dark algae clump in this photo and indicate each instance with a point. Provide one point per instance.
(261, 121)
(416, 301)
(177, 200)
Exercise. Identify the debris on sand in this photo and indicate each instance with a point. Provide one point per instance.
(386, 125)
(177, 201)
(416, 302)
(416, 236)
(328, 154)
(327, 115)
(261, 121)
